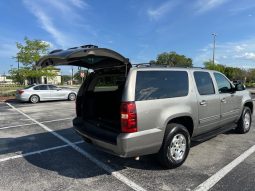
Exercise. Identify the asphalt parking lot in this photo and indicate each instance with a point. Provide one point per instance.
(39, 150)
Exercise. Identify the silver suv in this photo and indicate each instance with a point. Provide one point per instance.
(132, 111)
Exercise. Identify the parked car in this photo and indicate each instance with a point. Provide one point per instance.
(133, 111)
(44, 92)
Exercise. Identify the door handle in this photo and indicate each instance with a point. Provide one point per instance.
(203, 103)
(223, 100)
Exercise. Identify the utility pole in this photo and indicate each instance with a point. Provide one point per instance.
(18, 63)
(214, 38)
(72, 76)
(4, 76)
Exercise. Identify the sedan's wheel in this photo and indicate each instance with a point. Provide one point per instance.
(71, 97)
(175, 147)
(244, 123)
(34, 99)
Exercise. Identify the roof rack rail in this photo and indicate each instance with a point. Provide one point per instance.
(141, 65)
(196, 67)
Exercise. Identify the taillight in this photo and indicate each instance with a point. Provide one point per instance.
(20, 91)
(128, 117)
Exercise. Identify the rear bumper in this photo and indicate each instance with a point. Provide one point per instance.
(21, 97)
(121, 144)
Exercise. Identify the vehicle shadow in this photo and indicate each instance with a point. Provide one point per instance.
(17, 102)
(68, 162)
(64, 161)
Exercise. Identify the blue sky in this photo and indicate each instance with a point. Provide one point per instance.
(139, 30)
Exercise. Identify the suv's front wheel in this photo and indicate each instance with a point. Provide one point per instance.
(175, 147)
(244, 123)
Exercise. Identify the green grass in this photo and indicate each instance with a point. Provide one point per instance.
(9, 90)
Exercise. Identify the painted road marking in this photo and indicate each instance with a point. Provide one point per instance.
(38, 152)
(28, 124)
(210, 182)
(100, 164)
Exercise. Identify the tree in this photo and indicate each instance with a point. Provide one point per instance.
(211, 66)
(251, 75)
(173, 59)
(28, 54)
(66, 78)
(26, 72)
(232, 73)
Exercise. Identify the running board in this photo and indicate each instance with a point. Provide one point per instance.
(214, 133)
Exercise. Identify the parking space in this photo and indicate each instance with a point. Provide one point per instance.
(241, 178)
(40, 151)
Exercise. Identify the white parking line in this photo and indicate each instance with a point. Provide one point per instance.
(37, 152)
(100, 164)
(210, 182)
(28, 124)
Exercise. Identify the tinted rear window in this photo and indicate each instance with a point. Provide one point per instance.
(161, 84)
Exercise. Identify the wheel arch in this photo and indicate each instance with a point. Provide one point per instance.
(71, 93)
(35, 95)
(185, 120)
(249, 104)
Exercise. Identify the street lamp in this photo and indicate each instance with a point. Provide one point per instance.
(214, 36)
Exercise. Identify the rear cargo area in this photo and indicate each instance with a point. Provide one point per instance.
(99, 100)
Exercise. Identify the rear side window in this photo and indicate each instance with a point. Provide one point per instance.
(161, 84)
(204, 83)
(37, 88)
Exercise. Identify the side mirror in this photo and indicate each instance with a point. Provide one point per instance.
(240, 87)
(58, 89)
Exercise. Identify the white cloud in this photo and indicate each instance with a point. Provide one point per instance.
(48, 25)
(243, 7)
(202, 6)
(51, 14)
(239, 48)
(79, 3)
(247, 55)
(158, 12)
(239, 54)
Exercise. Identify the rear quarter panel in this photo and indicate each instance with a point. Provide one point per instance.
(157, 113)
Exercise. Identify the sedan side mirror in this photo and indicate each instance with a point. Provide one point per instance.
(59, 89)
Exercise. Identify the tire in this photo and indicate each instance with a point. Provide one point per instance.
(244, 123)
(34, 99)
(177, 137)
(71, 96)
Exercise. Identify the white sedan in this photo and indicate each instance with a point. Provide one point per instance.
(45, 92)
